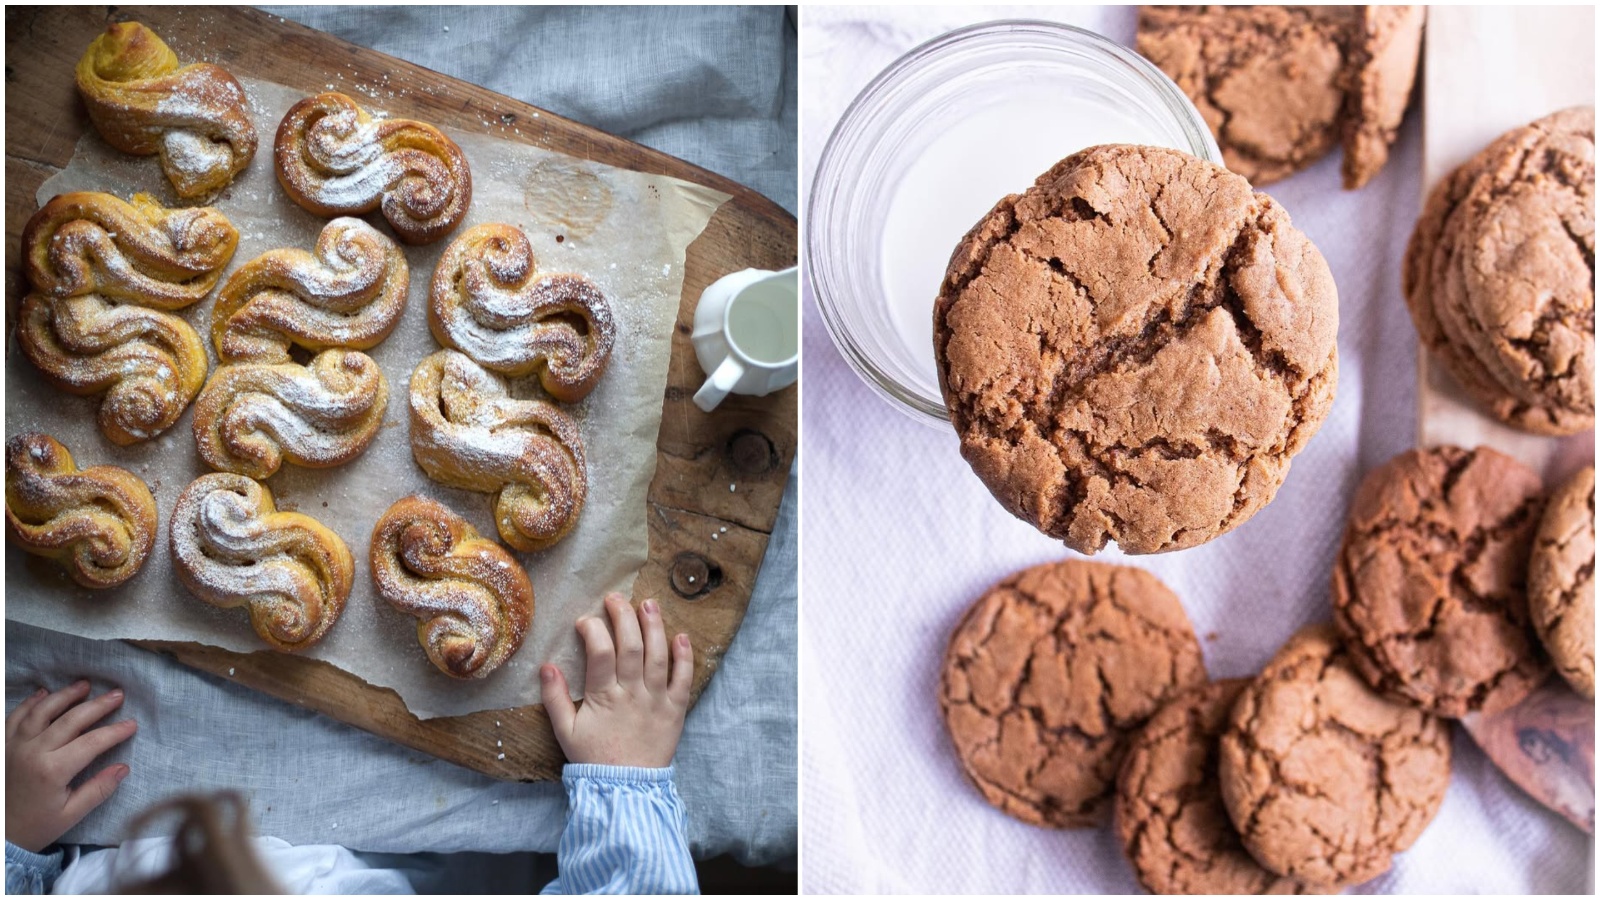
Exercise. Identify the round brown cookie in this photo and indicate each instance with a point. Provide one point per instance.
(1169, 812)
(1278, 85)
(1325, 779)
(1429, 588)
(1561, 581)
(1499, 274)
(1133, 349)
(1382, 56)
(1267, 79)
(1048, 673)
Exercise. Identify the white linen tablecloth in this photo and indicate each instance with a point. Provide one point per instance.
(715, 86)
(901, 537)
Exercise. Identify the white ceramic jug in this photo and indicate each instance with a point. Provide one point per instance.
(747, 334)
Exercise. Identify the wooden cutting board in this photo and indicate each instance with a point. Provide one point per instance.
(1488, 70)
(704, 585)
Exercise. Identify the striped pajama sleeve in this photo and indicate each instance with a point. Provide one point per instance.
(30, 873)
(626, 834)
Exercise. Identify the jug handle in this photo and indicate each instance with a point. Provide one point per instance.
(716, 388)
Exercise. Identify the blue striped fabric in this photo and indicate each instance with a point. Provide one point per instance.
(626, 834)
(31, 873)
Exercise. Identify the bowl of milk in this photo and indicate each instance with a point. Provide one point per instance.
(931, 145)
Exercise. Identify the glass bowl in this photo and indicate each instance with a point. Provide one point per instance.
(931, 145)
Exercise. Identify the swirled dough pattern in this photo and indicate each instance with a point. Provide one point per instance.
(261, 407)
(333, 158)
(102, 271)
(134, 251)
(232, 547)
(490, 302)
(472, 599)
(349, 293)
(195, 117)
(468, 432)
(252, 417)
(99, 523)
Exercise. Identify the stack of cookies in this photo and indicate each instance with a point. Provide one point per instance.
(1499, 275)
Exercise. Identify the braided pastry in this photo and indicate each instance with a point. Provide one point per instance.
(196, 118)
(334, 159)
(232, 547)
(96, 264)
(472, 599)
(349, 294)
(467, 432)
(251, 417)
(489, 302)
(99, 522)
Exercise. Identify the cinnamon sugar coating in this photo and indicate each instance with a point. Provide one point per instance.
(195, 117)
(99, 523)
(472, 599)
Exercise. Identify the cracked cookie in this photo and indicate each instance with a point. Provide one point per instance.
(1324, 779)
(1047, 675)
(1429, 584)
(1169, 812)
(1561, 581)
(1133, 349)
(1499, 274)
(1280, 85)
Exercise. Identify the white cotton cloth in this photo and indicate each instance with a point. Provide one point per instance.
(317, 869)
(901, 537)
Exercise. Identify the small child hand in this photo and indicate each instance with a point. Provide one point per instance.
(47, 745)
(634, 698)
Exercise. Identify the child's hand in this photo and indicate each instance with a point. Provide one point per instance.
(47, 745)
(634, 699)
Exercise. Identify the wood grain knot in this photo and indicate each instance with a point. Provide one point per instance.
(693, 575)
(751, 452)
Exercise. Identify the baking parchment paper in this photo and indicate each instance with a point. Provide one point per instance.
(626, 230)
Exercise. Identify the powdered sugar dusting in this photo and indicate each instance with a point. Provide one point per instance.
(618, 421)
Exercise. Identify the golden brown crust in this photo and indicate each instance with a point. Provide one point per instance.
(1324, 779)
(473, 600)
(350, 293)
(490, 301)
(232, 547)
(468, 432)
(149, 364)
(103, 270)
(134, 251)
(195, 117)
(260, 406)
(99, 523)
(251, 417)
(334, 159)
